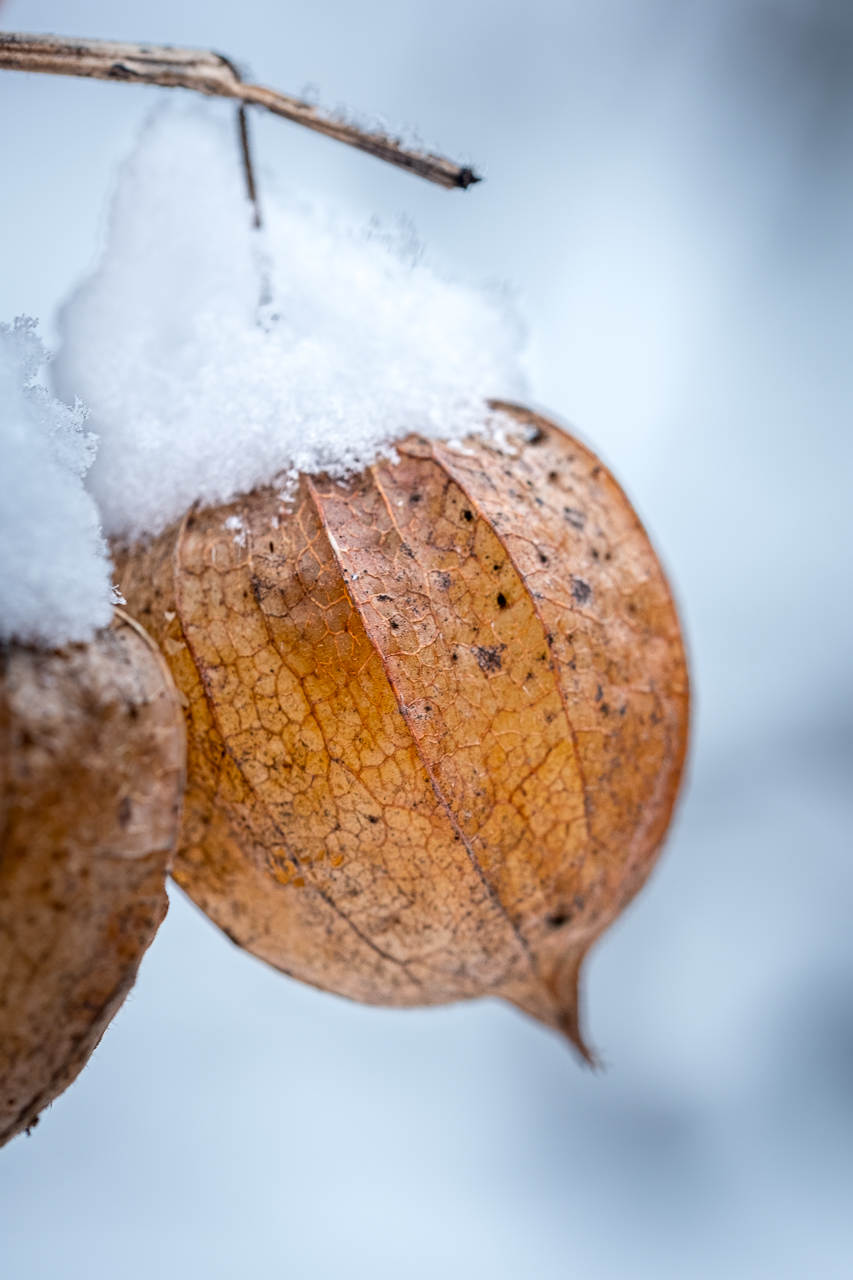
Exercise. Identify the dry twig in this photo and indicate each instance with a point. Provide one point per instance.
(212, 74)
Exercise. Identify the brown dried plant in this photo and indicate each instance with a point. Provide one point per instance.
(92, 764)
(437, 717)
(214, 75)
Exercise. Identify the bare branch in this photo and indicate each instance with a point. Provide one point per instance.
(212, 74)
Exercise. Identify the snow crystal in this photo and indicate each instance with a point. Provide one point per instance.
(216, 358)
(54, 571)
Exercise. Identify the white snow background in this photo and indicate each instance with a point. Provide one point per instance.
(670, 191)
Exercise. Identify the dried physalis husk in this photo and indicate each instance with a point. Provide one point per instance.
(437, 717)
(92, 764)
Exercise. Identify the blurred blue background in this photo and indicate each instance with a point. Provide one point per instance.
(669, 195)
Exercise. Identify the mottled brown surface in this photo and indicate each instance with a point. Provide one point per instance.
(92, 758)
(437, 718)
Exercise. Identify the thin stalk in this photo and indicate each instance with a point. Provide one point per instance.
(251, 188)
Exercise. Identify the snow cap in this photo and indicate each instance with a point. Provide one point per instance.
(216, 358)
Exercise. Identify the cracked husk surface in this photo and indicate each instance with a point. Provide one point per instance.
(437, 716)
(92, 761)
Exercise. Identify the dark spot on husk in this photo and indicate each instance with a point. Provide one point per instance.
(581, 591)
(489, 657)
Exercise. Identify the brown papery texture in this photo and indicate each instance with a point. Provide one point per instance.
(437, 717)
(92, 768)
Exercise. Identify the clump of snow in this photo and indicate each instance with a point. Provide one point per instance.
(54, 571)
(216, 358)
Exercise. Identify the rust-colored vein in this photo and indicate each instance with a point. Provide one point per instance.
(434, 783)
(307, 873)
(478, 507)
